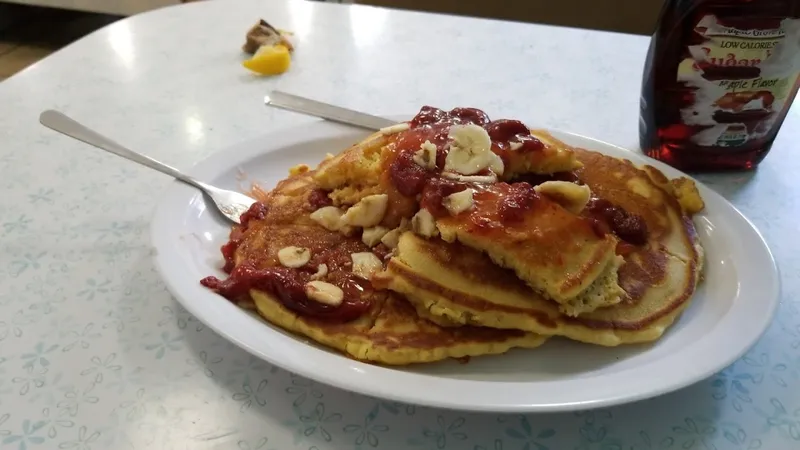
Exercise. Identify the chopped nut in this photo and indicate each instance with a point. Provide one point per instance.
(368, 212)
(365, 264)
(322, 270)
(458, 202)
(329, 217)
(425, 157)
(325, 293)
(372, 236)
(392, 238)
(514, 145)
(396, 128)
(423, 223)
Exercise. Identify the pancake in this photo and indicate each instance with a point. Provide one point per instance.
(386, 328)
(555, 251)
(460, 285)
(363, 169)
(452, 236)
(355, 172)
(393, 334)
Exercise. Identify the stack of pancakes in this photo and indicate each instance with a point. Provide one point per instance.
(455, 292)
(456, 285)
(390, 331)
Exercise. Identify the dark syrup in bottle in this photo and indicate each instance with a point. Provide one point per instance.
(718, 81)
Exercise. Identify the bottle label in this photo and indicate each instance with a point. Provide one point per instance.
(743, 78)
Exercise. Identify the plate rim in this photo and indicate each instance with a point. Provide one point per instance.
(358, 371)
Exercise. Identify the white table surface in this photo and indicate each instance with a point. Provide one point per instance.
(95, 354)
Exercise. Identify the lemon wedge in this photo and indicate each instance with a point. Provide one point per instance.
(269, 60)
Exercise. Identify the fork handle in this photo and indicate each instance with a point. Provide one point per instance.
(65, 125)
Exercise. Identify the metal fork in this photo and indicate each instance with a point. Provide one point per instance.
(303, 105)
(230, 203)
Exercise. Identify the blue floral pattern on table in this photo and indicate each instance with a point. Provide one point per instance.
(94, 352)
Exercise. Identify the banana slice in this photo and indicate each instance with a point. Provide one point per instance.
(365, 264)
(372, 236)
(329, 217)
(497, 165)
(470, 150)
(423, 223)
(326, 293)
(294, 257)
(571, 196)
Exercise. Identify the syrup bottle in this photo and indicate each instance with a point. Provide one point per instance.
(718, 81)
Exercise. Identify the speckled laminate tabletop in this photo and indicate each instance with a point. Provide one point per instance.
(96, 354)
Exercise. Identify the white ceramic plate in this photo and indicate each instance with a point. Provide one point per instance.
(729, 312)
